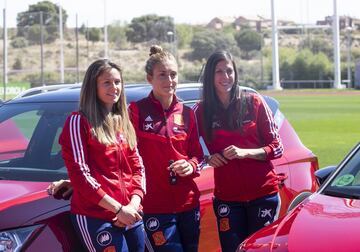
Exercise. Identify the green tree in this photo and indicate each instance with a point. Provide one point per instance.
(304, 65)
(249, 40)
(320, 67)
(184, 35)
(82, 29)
(93, 34)
(301, 65)
(18, 42)
(317, 45)
(150, 27)
(50, 19)
(117, 34)
(34, 34)
(287, 57)
(17, 64)
(206, 42)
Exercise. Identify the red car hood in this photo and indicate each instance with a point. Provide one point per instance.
(17, 192)
(322, 223)
(27, 203)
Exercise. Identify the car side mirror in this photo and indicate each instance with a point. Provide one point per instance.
(323, 173)
(298, 199)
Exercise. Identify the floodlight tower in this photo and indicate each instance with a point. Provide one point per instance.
(336, 37)
(61, 45)
(5, 77)
(106, 54)
(275, 48)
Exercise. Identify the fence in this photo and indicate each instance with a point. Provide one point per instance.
(37, 55)
(291, 84)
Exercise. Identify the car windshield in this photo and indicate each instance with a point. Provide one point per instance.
(29, 135)
(346, 183)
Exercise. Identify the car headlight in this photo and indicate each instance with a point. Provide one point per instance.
(13, 240)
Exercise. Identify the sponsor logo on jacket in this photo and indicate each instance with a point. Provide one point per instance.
(148, 124)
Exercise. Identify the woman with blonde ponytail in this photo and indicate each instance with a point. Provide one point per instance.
(169, 145)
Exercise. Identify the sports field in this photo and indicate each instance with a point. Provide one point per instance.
(327, 121)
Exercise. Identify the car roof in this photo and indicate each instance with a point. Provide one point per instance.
(71, 92)
(66, 93)
(46, 88)
(190, 92)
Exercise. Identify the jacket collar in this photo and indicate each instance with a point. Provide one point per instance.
(158, 104)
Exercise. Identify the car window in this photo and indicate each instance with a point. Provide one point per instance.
(187, 94)
(346, 183)
(29, 136)
(272, 103)
(56, 147)
(15, 133)
(190, 103)
(26, 122)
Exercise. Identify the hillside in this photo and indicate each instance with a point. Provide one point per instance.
(24, 64)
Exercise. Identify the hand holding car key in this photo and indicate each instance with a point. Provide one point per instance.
(172, 178)
(179, 168)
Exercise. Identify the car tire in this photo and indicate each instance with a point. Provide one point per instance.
(298, 199)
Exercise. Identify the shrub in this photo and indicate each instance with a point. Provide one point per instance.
(17, 64)
(206, 42)
(19, 42)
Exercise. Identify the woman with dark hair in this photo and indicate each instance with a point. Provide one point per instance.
(107, 175)
(241, 136)
(169, 145)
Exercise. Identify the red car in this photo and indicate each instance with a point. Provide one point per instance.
(30, 126)
(328, 220)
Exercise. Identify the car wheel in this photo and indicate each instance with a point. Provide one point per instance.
(298, 199)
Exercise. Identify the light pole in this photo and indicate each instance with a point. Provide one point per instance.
(42, 49)
(348, 36)
(170, 35)
(336, 36)
(261, 59)
(61, 45)
(77, 48)
(106, 54)
(275, 48)
(5, 78)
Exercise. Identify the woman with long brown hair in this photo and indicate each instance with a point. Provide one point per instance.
(107, 175)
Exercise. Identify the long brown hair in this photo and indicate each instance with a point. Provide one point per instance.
(238, 99)
(105, 125)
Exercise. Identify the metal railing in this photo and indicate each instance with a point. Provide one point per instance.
(306, 84)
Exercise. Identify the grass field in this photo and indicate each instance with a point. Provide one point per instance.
(12, 89)
(327, 121)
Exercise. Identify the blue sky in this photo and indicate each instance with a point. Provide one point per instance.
(186, 11)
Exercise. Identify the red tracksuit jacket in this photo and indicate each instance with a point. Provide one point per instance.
(245, 179)
(96, 169)
(165, 135)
